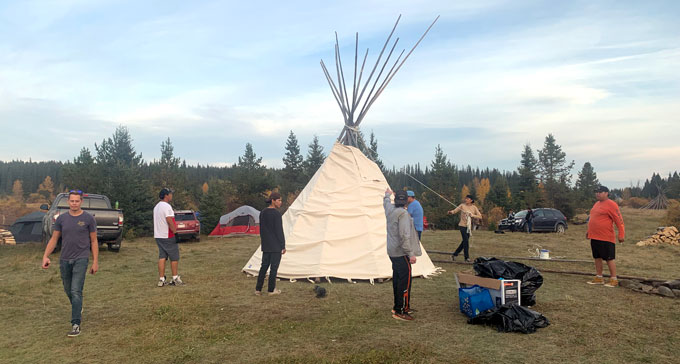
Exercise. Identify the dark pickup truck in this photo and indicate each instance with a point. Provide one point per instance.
(109, 220)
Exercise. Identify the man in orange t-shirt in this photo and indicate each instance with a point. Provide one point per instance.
(604, 214)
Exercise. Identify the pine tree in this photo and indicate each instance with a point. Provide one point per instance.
(555, 173)
(443, 179)
(498, 195)
(586, 184)
(168, 159)
(83, 174)
(251, 179)
(292, 170)
(167, 173)
(119, 166)
(217, 200)
(373, 152)
(528, 185)
(249, 161)
(315, 158)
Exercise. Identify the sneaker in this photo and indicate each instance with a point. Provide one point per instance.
(597, 280)
(75, 331)
(162, 282)
(453, 258)
(612, 283)
(176, 282)
(275, 292)
(402, 316)
(258, 293)
(467, 260)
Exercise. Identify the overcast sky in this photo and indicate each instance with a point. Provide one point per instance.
(602, 76)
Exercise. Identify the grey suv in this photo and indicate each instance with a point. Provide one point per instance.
(545, 219)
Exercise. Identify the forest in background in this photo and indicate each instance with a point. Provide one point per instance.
(114, 168)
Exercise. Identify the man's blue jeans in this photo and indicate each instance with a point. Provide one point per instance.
(73, 276)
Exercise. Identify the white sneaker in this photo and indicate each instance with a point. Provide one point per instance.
(75, 331)
(176, 282)
(162, 282)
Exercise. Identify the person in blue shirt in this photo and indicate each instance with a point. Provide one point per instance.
(416, 211)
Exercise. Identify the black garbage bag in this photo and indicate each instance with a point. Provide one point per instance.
(496, 268)
(511, 318)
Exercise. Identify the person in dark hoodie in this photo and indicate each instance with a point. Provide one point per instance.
(273, 244)
(402, 247)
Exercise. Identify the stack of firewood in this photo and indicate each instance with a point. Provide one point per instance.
(6, 237)
(664, 235)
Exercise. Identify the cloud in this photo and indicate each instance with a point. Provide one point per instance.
(490, 76)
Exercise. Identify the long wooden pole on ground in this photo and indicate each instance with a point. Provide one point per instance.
(570, 272)
(523, 258)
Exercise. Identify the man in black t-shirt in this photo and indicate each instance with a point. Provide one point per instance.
(273, 244)
(78, 232)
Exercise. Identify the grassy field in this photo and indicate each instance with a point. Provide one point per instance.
(215, 318)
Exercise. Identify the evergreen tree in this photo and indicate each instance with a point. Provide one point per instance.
(527, 184)
(373, 152)
(217, 200)
(498, 195)
(83, 174)
(168, 159)
(444, 180)
(586, 184)
(292, 170)
(120, 168)
(167, 173)
(555, 174)
(249, 161)
(315, 158)
(252, 179)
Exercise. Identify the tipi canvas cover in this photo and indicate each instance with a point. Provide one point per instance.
(336, 227)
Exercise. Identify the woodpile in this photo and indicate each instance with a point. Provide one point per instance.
(664, 235)
(6, 237)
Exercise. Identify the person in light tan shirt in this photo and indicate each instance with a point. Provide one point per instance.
(468, 211)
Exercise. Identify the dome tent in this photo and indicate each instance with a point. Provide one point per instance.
(243, 220)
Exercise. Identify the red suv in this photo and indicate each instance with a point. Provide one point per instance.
(188, 226)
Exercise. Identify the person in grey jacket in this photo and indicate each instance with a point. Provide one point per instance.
(402, 248)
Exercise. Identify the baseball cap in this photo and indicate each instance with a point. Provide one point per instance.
(164, 192)
(410, 193)
(273, 196)
(400, 197)
(601, 188)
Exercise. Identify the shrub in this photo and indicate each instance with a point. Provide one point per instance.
(492, 226)
(496, 214)
(635, 202)
(673, 214)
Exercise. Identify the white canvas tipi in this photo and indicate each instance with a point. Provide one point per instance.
(337, 226)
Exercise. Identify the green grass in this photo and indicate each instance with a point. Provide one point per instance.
(216, 318)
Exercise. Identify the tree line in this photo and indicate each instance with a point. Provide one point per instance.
(114, 168)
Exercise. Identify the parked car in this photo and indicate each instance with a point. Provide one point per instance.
(188, 226)
(545, 219)
(109, 220)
